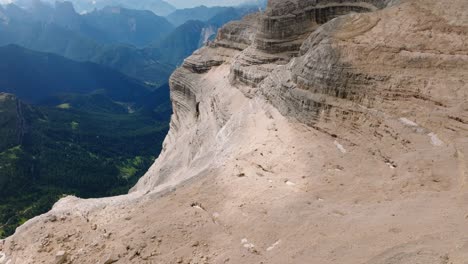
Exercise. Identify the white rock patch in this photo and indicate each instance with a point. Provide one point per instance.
(274, 245)
(340, 147)
(198, 207)
(246, 243)
(408, 122)
(290, 183)
(435, 140)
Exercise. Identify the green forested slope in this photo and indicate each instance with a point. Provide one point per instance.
(46, 152)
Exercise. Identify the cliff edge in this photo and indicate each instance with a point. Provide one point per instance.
(314, 132)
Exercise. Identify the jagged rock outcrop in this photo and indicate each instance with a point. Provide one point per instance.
(297, 138)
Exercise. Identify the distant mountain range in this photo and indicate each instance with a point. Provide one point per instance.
(183, 41)
(194, 3)
(158, 7)
(137, 43)
(135, 27)
(109, 25)
(193, 34)
(217, 14)
(201, 13)
(49, 75)
(102, 36)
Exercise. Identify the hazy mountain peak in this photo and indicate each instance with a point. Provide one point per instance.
(112, 9)
(65, 6)
(159, 7)
(209, 3)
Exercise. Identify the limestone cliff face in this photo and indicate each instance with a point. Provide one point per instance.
(361, 67)
(285, 24)
(315, 132)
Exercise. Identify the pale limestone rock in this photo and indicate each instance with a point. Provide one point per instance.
(289, 98)
(61, 257)
(110, 259)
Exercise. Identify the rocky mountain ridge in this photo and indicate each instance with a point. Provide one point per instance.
(310, 133)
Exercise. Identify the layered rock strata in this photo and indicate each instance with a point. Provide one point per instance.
(282, 29)
(345, 143)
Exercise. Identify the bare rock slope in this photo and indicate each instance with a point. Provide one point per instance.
(315, 132)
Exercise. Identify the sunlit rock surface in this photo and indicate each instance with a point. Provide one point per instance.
(315, 132)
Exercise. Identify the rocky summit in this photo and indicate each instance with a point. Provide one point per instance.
(314, 132)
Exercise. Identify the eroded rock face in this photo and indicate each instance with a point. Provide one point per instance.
(285, 24)
(283, 28)
(345, 141)
(359, 65)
